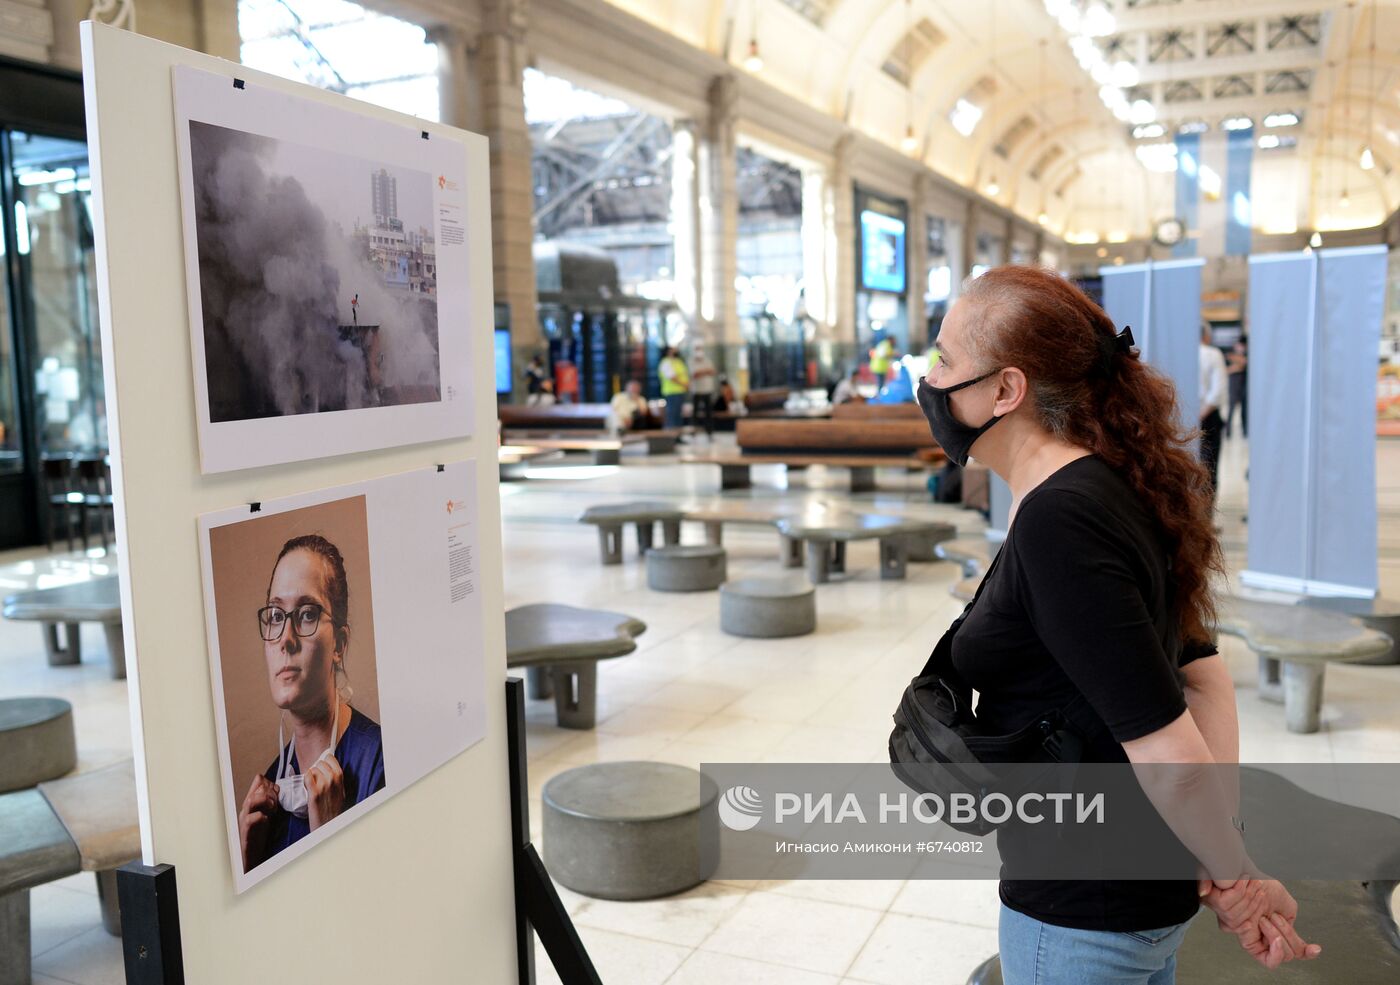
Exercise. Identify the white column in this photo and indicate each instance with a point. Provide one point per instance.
(819, 252)
(498, 66)
(915, 281)
(459, 103)
(686, 224)
(843, 226)
(719, 215)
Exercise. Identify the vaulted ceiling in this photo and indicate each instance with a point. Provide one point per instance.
(1005, 95)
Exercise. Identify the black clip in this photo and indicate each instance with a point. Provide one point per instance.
(238, 83)
(425, 134)
(442, 468)
(255, 507)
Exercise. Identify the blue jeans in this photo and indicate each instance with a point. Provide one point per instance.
(1037, 953)
(675, 410)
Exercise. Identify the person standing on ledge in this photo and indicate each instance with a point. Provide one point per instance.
(675, 384)
(1101, 590)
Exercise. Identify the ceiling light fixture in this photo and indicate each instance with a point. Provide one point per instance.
(910, 143)
(1368, 160)
(1315, 240)
(753, 61)
(1281, 120)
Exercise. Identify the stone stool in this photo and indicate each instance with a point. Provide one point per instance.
(626, 831)
(36, 741)
(768, 607)
(1379, 614)
(611, 519)
(685, 569)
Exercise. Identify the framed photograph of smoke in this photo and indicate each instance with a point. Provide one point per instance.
(344, 631)
(326, 257)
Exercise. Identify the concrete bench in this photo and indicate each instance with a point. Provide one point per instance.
(513, 460)
(1379, 614)
(826, 538)
(768, 608)
(974, 554)
(560, 646)
(98, 600)
(626, 831)
(612, 518)
(37, 741)
(83, 823)
(735, 468)
(677, 568)
(1301, 640)
(714, 516)
(1353, 921)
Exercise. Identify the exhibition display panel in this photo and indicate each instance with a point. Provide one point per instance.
(349, 529)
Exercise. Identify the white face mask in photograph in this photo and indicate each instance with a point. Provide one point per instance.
(291, 789)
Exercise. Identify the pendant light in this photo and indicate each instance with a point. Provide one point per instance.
(753, 61)
(1368, 160)
(910, 142)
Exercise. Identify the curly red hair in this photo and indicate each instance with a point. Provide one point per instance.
(1087, 393)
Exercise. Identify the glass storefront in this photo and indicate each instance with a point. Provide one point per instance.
(57, 285)
(51, 386)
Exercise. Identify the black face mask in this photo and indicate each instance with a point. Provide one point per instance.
(953, 436)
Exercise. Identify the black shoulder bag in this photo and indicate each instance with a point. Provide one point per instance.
(938, 746)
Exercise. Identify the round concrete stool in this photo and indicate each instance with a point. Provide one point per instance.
(768, 607)
(37, 736)
(685, 569)
(626, 831)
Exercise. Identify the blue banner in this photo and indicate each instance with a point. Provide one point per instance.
(1239, 159)
(1188, 191)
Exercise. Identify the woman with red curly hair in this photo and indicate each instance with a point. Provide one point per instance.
(1102, 590)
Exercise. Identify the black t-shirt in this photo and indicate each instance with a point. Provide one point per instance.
(1077, 601)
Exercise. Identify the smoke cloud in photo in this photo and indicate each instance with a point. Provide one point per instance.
(289, 236)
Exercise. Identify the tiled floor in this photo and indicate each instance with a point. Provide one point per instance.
(691, 694)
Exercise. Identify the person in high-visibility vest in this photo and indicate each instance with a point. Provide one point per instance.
(880, 358)
(675, 384)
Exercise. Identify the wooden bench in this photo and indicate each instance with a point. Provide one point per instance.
(605, 450)
(857, 410)
(560, 646)
(566, 417)
(734, 467)
(98, 600)
(1300, 641)
(84, 823)
(879, 436)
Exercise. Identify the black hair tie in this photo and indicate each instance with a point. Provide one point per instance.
(1112, 347)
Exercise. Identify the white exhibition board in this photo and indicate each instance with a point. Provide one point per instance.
(419, 889)
(1161, 301)
(1314, 332)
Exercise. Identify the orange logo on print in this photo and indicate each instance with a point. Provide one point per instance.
(450, 505)
(442, 181)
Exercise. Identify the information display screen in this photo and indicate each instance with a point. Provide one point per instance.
(503, 375)
(882, 252)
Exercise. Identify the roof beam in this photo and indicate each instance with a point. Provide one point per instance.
(1214, 11)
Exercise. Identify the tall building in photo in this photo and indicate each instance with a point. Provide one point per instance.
(407, 258)
(384, 194)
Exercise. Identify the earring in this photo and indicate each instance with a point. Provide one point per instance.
(345, 691)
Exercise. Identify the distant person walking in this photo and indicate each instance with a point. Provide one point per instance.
(1237, 364)
(675, 384)
(1213, 390)
(704, 380)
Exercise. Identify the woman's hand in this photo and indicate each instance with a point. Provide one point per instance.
(325, 792)
(1260, 912)
(253, 820)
